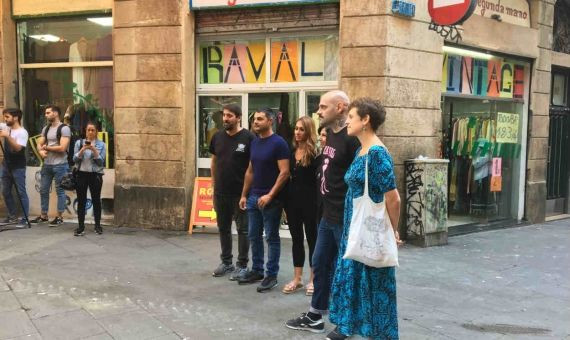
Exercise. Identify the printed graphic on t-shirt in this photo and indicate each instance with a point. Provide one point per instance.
(240, 148)
(328, 153)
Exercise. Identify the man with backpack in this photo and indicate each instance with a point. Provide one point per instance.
(53, 148)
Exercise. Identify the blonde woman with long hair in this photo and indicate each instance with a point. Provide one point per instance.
(301, 206)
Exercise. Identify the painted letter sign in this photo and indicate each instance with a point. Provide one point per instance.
(509, 11)
(450, 12)
(496, 77)
(290, 60)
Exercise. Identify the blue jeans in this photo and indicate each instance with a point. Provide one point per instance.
(20, 182)
(267, 219)
(49, 173)
(324, 263)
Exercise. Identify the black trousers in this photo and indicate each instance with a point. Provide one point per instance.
(94, 182)
(302, 215)
(227, 209)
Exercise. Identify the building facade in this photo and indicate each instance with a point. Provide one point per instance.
(157, 73)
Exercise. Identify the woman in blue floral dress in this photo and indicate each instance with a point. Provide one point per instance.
(363, 298)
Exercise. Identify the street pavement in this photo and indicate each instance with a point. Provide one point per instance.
(138, 284)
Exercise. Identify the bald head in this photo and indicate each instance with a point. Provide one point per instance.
(333, 107)
(337, 96)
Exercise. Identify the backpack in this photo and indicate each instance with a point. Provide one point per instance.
(72, 139)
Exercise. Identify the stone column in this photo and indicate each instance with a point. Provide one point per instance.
(382, 57)
(152, 135)
(8, 65)
(542, 16)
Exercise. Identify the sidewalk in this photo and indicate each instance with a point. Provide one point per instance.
(134, 284)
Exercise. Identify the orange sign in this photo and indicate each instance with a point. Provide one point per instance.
(496, 183)
(203, 212)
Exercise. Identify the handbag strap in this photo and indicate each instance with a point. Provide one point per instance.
(366, 176)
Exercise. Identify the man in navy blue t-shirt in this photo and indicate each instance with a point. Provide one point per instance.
(266, 175)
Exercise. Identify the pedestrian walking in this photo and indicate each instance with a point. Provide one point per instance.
(15, 139)
(53, 148)
(89, 157)
(266, 175)
(301, 202)
(338, 154)
(363, 298)
(230, 151)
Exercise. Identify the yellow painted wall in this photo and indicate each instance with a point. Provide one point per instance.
(47, 7)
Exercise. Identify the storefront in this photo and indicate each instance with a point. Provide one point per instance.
(67, 61)
(285, 71)
(485, 100)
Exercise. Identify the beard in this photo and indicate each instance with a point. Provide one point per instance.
(10, 124)
(228, 126)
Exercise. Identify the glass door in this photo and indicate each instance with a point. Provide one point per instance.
(284, 104)
(209, 121)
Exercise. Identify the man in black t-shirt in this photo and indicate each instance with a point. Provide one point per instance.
(230, 151)
(337, 156)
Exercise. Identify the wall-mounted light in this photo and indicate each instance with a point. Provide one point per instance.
(46, 37)
(467, 53)
(103, 21)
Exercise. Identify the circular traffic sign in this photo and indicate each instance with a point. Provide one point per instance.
(450, 12)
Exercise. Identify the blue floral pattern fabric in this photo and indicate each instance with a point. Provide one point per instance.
(363, 298)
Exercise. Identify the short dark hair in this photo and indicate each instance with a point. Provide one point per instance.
(14, 112)
(372, 108)
(54, 108)
(233, 108)
(269, 113)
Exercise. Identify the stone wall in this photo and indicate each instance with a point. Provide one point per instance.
(8, 64)
(151, 133)
(542, 16)
(396, 60)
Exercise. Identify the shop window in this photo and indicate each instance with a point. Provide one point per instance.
(484, 148)
(67, 62)
(484, 105)
(210, 109)
(559, 89)
(561, 30)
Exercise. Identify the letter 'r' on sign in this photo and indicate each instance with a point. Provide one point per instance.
(445, 3)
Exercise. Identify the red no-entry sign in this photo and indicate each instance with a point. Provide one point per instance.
(450, 12)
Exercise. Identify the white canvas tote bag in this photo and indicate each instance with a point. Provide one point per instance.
(371, 239)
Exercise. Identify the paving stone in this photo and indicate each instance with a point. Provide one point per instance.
(42, 304)
(71, 325)
(134, 325)
(8, 302)
(15, 324)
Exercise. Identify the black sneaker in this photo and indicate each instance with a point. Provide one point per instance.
(10, 220)
(336, 335)
(267, 283)
(98, 230)
(250, 277)
(56, 222)
(305, 323)
(39, 219)
(237, 273)
(79, 232)
(223, 269)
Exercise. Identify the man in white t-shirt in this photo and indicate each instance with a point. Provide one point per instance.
(14, 138)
